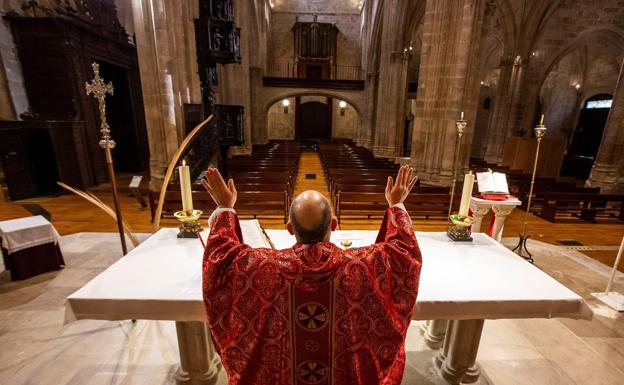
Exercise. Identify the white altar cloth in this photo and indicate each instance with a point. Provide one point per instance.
(161, 280)
(22, 233)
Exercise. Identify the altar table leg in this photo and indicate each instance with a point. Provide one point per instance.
(457, 361)
(434, 332)
(199, 364)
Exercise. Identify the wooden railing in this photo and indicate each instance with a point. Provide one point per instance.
(288, 69)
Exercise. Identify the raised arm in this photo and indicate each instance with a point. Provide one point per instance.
(397, 249)
(397, 225)
(224, 245)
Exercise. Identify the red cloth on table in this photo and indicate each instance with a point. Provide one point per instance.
(312, 314)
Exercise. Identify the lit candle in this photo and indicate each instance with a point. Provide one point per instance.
(466, 194)
(461, 117)
(185, 187)
(542, 120)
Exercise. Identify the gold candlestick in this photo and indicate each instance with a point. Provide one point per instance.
(461, 126)
(539, 130)
(190, 223)
(459, 229)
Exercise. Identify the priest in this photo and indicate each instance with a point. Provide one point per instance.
(313, 313)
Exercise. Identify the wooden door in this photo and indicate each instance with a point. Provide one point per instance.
(313, 121)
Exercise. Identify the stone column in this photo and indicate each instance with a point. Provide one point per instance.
(508, 105)
(457, 361)
(199, 363)
(448, 85)
(433, 332)
(391, 93)
(608, 170)
(366, 130)
(165, 42)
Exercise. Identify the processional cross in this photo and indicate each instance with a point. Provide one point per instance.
(99, 89)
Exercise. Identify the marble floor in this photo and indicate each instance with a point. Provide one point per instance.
(37, 348)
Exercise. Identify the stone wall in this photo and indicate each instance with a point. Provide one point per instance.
(346, 14)
(344, 125)
(281, 124)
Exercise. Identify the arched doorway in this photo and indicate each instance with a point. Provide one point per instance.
(313, 117)
(313, 120)
(587, 136)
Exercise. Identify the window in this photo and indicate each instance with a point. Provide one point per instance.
(592, 104)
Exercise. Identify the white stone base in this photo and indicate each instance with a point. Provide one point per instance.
(613, 299)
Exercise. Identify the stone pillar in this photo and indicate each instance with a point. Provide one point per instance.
(508, 105)
(457, 361)
(165, 40)
(366, 130)
(608, 170)
(390, 107)
(448, 85)
(199, 363)
(433, 332)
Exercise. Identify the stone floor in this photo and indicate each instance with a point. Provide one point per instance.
(37, 348)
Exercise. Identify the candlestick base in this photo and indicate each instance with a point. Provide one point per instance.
(459, 232)
(190, 224)
(522, 244)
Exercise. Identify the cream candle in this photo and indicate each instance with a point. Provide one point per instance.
(185, 187)
(466, 194)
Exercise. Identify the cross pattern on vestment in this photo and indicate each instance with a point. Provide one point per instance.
(99, 89)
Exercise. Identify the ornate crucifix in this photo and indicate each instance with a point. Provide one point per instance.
(99, 89)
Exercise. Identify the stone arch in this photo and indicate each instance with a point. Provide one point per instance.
(608, 37)
(266, 116)
(505, 15)
(326, 93)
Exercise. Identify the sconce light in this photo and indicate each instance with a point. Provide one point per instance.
(485, 84)
(342, 104)
(285, 104)
(577, 86)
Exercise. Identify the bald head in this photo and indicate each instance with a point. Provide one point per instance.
(310, 216)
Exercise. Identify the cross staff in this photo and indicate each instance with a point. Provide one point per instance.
(99, 89)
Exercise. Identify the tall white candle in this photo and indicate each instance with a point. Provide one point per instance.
(185, 187)
(466, 194)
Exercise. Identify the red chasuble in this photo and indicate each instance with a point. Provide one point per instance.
(311, 314)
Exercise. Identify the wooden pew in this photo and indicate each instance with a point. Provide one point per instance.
(581, 206)
(254, 203)
(374, 204)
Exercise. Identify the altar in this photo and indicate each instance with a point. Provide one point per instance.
(464, 283)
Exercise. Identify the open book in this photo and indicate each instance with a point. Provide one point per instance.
(492, 183)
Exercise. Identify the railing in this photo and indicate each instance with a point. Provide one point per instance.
(288, 69)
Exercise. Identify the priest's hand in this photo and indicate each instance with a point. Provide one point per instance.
(223, 194)
(397, 191)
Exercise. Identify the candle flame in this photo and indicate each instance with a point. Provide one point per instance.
(183, 162)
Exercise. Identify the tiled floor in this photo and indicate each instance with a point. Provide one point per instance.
(37, 348)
